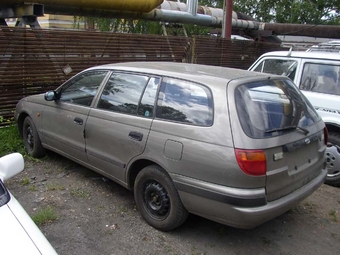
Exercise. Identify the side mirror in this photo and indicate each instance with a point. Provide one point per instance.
(11, 165)
(50, 95)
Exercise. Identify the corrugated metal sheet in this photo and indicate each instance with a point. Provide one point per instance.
(228, 53)
(32, 60)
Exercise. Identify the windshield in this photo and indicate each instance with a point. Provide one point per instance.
(4, 195)
(272, 108)
(278, 66)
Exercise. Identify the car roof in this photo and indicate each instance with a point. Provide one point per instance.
(304, 54)
(193, 72)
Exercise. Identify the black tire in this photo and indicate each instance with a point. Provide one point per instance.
(31, 139)
(157, 199)
(333, 159)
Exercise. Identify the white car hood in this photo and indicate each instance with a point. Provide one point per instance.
(19, 234)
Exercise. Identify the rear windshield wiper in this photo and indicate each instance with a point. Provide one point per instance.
(304, 130)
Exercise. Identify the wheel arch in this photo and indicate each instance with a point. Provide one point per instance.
(332, 127)
(135, 168)
(20, 122)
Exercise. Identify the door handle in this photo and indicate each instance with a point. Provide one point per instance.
(78, 121)
(136, 136)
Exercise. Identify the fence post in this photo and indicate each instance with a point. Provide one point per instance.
(193, 47)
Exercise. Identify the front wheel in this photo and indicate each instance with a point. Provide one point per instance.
(333, 159)
(31, 139)
(157, 199)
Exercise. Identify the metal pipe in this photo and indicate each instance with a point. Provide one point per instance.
(227, 19)
(122, 5)
(321, 31)
(192, 7)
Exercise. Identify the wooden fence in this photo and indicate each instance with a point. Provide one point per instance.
(33, 60)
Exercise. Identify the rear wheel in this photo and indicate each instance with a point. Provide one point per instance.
(157, 199)
(333, 159)
(31, 139)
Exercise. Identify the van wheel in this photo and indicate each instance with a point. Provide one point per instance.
(333, 159)
(157, 199)
(31, 139)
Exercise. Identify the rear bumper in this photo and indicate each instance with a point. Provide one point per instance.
(241, 208)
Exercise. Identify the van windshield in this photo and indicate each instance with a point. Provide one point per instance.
(272, 108)
(285, 67)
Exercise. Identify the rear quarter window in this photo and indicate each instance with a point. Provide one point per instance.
(185, 102)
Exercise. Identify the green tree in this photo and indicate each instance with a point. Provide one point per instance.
(290, 11)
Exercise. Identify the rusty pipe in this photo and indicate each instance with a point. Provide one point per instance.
(118, 5)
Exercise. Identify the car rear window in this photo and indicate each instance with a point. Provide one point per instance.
(272, 107)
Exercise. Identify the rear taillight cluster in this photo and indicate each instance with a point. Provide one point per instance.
(252, 162)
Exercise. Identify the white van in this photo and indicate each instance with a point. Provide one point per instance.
(317, 74)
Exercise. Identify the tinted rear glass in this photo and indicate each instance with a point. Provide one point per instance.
(272, 108)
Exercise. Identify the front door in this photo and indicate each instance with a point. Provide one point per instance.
(64, 120)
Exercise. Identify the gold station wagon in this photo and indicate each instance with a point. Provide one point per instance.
(233, 146)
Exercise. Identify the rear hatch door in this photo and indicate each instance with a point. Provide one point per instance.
(274, 116)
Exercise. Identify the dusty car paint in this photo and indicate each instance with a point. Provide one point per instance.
(191, 155)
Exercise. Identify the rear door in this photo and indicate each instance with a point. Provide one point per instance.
(118, 127)
(277, 118)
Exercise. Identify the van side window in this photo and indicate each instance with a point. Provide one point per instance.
(185, 102)
(323, 78)
(122, 93)
(278, 66)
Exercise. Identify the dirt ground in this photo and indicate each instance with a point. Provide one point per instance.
(98, 216)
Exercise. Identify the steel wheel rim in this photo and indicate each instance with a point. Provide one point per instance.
(333, 160)
(156, 200)
(30, 137)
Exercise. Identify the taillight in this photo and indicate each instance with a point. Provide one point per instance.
(325, 134)
(252, 162)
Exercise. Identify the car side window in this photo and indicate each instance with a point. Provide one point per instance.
(82, 89)
(185, 102)
(122, 93)
(323, 78)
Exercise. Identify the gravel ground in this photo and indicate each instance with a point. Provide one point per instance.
(98, 216)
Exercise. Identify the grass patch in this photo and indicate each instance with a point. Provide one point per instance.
(54, 186)
(45, 215)
(81, 193)
(25, 181)
(333, 214)
(33, 188)
(11, 141)
(123, 209)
